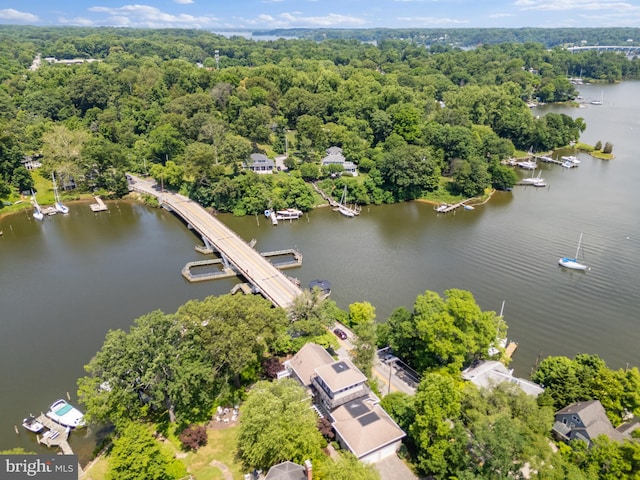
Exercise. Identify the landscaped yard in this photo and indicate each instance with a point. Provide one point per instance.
(201, 464)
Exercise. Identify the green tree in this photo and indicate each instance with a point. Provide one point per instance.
(137, 455)
(434, 431)
(277, 424)
(449, 332)
(348, 467)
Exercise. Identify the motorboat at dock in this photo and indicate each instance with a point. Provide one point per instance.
(65, 414)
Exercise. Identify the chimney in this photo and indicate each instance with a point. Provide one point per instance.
(308, 469)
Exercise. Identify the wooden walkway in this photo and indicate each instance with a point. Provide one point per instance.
(55, 436)
(265, 277)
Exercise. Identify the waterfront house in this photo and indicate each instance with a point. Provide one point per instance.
(340, 393)
(259, 163)
(586, 421)
(336, 157)
(488, 374)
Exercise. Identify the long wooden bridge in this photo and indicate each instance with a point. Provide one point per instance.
(244, 259)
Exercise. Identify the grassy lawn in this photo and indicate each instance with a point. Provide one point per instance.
(221, 447)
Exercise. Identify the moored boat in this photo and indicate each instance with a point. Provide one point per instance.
(59, 206)
(37, 212)
(288, 214)
(573, 263)
(65, 414)
(32, 424)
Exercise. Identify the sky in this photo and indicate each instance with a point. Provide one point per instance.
(270, 14)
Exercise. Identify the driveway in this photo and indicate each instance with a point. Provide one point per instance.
(392, 468)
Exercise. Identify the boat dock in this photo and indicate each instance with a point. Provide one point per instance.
(547, 159)
(99, 206)
(450, 207)
(510, 349)
(55, 436)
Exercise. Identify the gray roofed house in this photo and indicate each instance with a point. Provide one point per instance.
(584, 421)
(365, 429)
(490, 373)
(259, 163)
(335, 157)
(338, 383)
(289, 471)
(361, 425)
(304, 363)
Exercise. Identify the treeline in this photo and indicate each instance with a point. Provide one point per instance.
(405, 115)
(469, 37)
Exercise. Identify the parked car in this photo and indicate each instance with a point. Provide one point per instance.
(340, 333)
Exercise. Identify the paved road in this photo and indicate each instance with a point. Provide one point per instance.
(270, 281)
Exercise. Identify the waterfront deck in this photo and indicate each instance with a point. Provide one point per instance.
(99, 206)
(55, 436)
(245, 260)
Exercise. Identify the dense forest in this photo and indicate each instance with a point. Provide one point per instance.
(189, 107)
(471, 37)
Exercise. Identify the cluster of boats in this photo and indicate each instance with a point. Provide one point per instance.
(61, 412)
(58, 207)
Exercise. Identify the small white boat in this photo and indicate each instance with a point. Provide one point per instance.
(571, 158)
(288, 214)
(572, 263)
(32, 424)
(535, 181)
(468, 207)
(527, 164)
(65, 414)
(346, 211)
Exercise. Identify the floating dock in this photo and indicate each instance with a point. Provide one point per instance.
(99, 206)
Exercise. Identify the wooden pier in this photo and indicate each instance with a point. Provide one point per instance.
(55, 436)
(450, 207)
(99, 206)
(547, 159)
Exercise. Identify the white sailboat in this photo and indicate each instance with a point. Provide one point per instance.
(59, 206)
(598, 102)
(573, 263)
(342, 207)
(37, 212)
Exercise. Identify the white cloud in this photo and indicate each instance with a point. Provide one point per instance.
(76, 21)
(16, 16)
(183, 2)
(422, 21)
(296, 19)
(501, 15)
(151, 17)
(574, 5)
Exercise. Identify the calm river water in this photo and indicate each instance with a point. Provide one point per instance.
(68, 280)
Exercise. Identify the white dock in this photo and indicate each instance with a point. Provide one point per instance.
(99, 206)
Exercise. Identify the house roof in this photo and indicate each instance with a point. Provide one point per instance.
(286, 471)
(341, 374)
(593, 417)
(308, 358)
(364, 426)
(491, 373)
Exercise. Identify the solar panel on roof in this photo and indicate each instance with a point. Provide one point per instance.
(340, 367)
(356, 408)
(368, 419)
